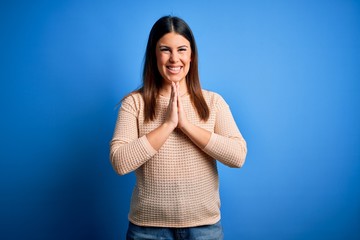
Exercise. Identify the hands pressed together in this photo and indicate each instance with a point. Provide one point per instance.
(176, 116)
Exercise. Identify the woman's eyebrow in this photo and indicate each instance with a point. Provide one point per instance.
(165, 46)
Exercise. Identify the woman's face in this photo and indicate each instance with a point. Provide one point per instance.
(173, 55)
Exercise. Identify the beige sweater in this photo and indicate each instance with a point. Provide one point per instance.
(178, 185)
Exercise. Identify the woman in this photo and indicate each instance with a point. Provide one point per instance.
(170, 132)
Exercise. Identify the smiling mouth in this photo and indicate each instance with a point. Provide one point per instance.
(174, 70)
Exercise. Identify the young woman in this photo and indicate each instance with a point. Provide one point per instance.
(172, 133)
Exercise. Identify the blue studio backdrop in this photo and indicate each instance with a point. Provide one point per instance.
(288, 69)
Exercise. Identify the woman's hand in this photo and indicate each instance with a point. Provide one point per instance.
(182, 119)
(158, 136)
(176, 118)
(172, 118)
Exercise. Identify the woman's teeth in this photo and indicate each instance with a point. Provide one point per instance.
(174, 69)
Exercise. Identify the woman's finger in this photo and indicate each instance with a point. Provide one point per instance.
(174, 90)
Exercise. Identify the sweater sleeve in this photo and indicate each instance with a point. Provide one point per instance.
(128, 150)
(226, 143)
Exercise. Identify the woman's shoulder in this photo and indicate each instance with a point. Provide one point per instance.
(133, 97)
(214, 99)
(212, 96)
(133, 100)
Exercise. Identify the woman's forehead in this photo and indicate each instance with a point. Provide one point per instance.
(173, 39)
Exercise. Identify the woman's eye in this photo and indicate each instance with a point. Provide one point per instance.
(164, 49)
(182, 49)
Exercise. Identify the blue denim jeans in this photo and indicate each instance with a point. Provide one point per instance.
(207, 232)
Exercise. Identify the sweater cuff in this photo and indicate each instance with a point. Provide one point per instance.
(144, 141)
(211, 142)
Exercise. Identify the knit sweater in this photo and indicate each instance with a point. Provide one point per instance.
(176, 186)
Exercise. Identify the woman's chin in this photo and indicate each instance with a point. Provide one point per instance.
(174, 79)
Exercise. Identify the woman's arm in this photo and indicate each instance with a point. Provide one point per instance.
(158, 136)
(128, 151)
(226, 144)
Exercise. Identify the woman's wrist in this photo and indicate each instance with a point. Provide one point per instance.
(185, 127)
(198, 135)
(169, 126)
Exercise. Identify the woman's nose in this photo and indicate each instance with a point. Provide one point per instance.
(174, 57)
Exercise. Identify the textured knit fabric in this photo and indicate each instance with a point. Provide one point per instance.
(176, 186)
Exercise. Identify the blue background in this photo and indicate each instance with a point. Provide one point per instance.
(288, 69)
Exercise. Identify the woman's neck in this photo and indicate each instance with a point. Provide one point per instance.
(165, 90)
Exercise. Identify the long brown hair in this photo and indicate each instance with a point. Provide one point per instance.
(152, 80)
